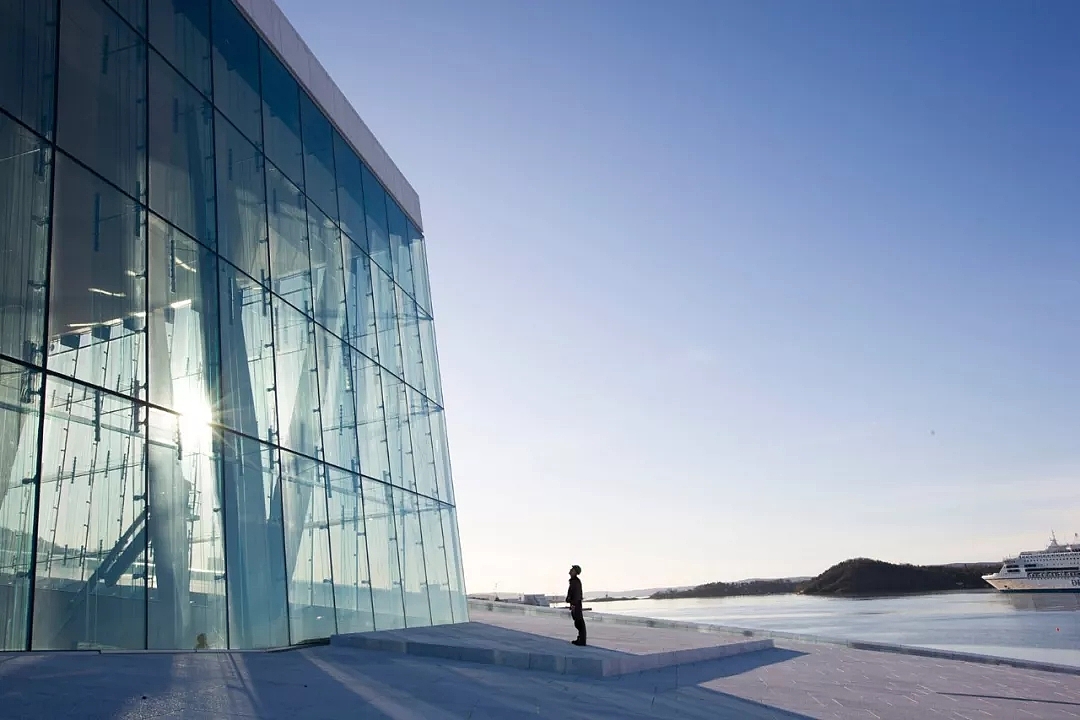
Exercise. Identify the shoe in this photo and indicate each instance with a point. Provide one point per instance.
(579, 643)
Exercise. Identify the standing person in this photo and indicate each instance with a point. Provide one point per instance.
(574, 600)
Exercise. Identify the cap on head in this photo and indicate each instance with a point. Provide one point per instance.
(575, 569)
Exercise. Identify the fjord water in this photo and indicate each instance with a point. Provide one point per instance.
(1029, 626)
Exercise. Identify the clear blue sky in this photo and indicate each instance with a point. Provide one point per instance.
(738, 289)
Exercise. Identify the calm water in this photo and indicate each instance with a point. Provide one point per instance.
(1044, 627)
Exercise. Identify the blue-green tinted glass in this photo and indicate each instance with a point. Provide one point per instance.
(400, 258)
(378, 244)
(241, 200)
(181, 152)
(321, 185)
(429, 351)
(236, 69)
(25, 171)
(92, 529)
(337, 401)
(370, 423)
(386, 320)
(423, 452)
(438, 577)
(134, 11)
(19, 415)
(28, 61)
(297, 382)
(248, 395)
(398, 433)
(180, 31)
(186, 604)
(281, 116)
(360, 301)
(458, 600)
(445, 486)
(102, 108)
(328, 273)
(289, 266)
(255, 544)
(307, 549)
(411, 559)
(418, 251)
(348, 550)
(182, 324)
(411, 346)
(383, 557)
(97, 311)
(350, 190)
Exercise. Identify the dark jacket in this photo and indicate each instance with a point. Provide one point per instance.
(573, 596)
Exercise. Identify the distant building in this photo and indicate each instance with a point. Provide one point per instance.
(221, 415)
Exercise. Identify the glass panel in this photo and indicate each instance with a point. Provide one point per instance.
(236, 69)
(307, 549)
(430, 353)
(297, 383)
(348, 550)
(181, 152)
(370, 423)
(383, 555)
(321, 185)
(438, 578)
(183, 324)
(420, 411)
(411, 346)
(90, 589)
(97, 314)
(360, 301)
(248, 397)
(411, 552)
(19, 416)
(241, 202)
(458, 600)
(398, 439)
(328, 273)
(134, 11)
(255, 545)
(375, 218)
(102, 113)
(350, 190)
(386, 320)
(288, 240)
(421, 290)
(186, 596)
(180, 30)
(281, 116)
(400, 257)
(25, 167)
(337, 402)
(28, 61)
(441, 449)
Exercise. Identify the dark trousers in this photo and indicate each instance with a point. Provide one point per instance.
(579, 622)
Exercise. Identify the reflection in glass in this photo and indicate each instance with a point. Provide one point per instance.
(19, 415)
(288, 240)
(398, 435)
(337, 401)
(241, 200)
(360, 301)
(383, 555)
(350, 190)
(430, 354)
(281, 116)
(348, 551)
(386, 320)
(236, 69)
(97, 314)
(180, 30)
(255, 544)
(90, 589)
(321, 186)
(186, 595)
(421, 287)
(134, 11)
(370, 423)
(459, 603)
(248, 394)
(102, 107)
(328, 273)
(28, 61)
(438, 577)
(378, 245)
(412, 358)
(25, 168)
(297, 382)
(400, 254)
(307, 549)
(442, 454)
(411, 560)
(181, 153)
(423, 455)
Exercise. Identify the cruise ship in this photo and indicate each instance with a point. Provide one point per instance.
(1055, 569)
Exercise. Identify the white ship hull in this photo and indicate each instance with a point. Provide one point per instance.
(1055, 569)
(1017, 584)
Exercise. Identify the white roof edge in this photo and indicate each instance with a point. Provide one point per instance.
(280, 34)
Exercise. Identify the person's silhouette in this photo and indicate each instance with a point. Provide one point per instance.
(574, 600)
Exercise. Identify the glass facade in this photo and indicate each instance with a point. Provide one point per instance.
(221, 419)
